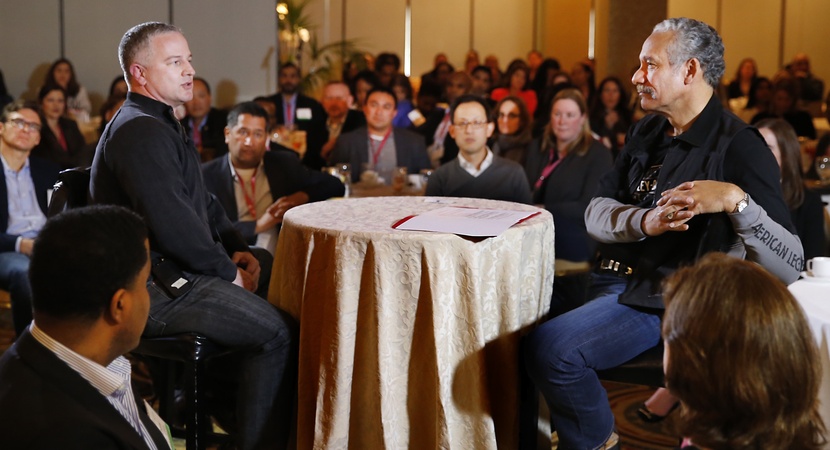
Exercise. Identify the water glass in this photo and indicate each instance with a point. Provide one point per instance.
(823, 168)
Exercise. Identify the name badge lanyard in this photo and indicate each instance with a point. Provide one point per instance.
(249, 200)
(376, 152)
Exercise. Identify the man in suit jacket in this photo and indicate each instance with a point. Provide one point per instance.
(379, 145)
(304, 113)
(24, 183)
(256, 204)
(340, 117)
(203, 123)
(64, 383)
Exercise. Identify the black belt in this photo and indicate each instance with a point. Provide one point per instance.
(609, 265)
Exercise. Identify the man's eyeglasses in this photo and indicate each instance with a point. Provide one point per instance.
(21, 124)
(474, 125)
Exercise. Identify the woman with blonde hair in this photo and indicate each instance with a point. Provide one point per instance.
(741, 358)
(564, 166)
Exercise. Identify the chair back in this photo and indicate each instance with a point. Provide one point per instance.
(70, 191)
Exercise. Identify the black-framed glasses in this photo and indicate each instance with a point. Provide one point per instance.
(474, 125)
(21, 124)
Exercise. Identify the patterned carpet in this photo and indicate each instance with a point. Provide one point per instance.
(635, 434)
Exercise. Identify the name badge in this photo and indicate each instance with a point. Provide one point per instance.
(304, 113)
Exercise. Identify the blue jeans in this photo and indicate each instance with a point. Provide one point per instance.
(265, 338)
(14, 277)
(563, 354)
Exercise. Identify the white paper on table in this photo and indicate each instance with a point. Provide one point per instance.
(464, 221)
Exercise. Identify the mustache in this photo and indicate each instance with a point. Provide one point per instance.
(646, 90)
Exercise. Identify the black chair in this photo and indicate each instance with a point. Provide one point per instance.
(71, 190)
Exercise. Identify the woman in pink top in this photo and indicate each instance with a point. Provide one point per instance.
(517, 84)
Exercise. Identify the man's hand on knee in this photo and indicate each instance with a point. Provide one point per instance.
(248, 264)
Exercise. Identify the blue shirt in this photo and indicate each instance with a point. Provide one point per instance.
(25, 217)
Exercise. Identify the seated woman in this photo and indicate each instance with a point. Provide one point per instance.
(737, 91)
(61, 140)
(513, 129)
(564, 167)
(741, 358)
(610, 116)
(758, 99)
(403, 91)
(62, 74)
(806, 208)
(516, 83)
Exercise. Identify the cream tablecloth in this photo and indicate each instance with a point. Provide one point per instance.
(408, 339)
(814, 298)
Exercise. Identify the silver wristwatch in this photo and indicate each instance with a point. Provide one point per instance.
(741, 205)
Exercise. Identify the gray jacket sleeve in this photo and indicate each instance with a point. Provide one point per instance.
(762, 240)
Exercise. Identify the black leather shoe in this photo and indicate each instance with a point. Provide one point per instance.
(646, 415)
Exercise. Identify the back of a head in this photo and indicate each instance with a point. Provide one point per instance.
(83, 256)
(740, 357)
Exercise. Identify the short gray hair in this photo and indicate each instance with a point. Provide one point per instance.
(136, 39)
(695, 39)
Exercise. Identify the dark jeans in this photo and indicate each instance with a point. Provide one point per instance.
(563, 354)
(14, 277)
(265, 338)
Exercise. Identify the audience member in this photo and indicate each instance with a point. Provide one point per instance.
(514, 129)
(746, 74)
(204, 274)
(477, 172)
(443, 147)
(269, 108)
(806, 208)
(403, 92)
(564, 167)
(64, 383)
(471, 61)
(108, 109)
(61, 140)
(610, 116)
(379, 146)
(440, 75)
(299, 112)
(492, 62)
(387, 65)
(809, 87)
(784, 104)
(481, 81)
(338, 102)
(5, 98)
(118, 87)
(25, 185)
(363, 82)
(204, 124)
(680, 188)
(737, 386)
(516, 83)
(582, 76)
(433, 124)
(534, 61)
(439, 59)
(62, 74)
(256, 204)
(758, 100)
(543, 81)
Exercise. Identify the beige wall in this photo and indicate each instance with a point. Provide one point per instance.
(233, 42)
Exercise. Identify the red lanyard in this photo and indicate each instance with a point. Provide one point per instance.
(376, 153)
(249, 200)
(548, 169)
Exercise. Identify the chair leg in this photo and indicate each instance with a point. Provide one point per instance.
(198, 419)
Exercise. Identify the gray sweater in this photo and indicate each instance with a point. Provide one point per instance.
(503, 180)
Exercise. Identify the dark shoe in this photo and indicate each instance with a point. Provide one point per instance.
(646, 415)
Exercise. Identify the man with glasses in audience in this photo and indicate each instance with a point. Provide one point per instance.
(379, 146)
(23, 202)
(692, 178)
(204, 275)
(477, 172)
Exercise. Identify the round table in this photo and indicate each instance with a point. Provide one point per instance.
(409, 339)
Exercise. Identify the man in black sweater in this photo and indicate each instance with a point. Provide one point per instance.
(203, 274)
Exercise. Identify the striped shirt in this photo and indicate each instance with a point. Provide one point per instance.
(113, 381)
